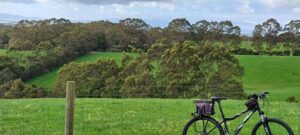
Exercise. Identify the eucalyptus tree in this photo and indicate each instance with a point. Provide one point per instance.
(135, 23)
(292, 35)
(271, 28)
(179, 25)
(257, 38)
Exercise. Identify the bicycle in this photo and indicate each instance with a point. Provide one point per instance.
(210, 126)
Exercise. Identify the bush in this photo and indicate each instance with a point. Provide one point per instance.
(281, 53)
(291, 99)
(296, 53)
(92, 79)
(244, 51)
(18, 89)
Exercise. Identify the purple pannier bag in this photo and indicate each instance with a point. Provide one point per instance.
(205, 107)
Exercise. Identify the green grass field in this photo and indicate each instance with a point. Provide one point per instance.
(121, 116)
(279, 75)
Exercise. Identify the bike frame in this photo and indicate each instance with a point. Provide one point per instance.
(239, 128)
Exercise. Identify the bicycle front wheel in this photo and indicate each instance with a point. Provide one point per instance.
(272, 125)
(202, 126)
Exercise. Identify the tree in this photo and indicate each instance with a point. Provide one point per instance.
(19, 44)
(102, 43)
(270, 30)
(179, 25)
(257, 40)
(179, 29)
(293, 27)
(33, 32)
(193, 69)
(153, 35)
(235, 30)
(4, 35)
(271, 27)
(201, 26)
(233, 36)
(136, 23)
(226, 27)
(292, 35)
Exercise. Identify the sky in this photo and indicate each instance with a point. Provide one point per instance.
(244, 13)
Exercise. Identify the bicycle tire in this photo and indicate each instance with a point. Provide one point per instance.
(208, 119)
(272, 121)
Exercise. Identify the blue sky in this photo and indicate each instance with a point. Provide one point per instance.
(245, 13)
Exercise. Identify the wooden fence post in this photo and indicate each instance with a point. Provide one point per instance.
(70, 97)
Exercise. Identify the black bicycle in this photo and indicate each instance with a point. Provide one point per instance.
(204, 124)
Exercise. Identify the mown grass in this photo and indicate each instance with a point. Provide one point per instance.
(270, 72)
(121, 116)
(279, 75)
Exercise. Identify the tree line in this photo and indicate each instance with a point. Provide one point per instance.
(135, 33)
(55, 42)
(272, 32)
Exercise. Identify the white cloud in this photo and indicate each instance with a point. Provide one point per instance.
(244, 7)
(110, 2)
(75, 8)
(153, 4)
(297, 9)
(19, 1)
(280, 3)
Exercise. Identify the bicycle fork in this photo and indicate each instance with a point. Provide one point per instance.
(265, 123)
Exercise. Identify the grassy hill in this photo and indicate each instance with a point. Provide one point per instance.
(270, 72)
(278, 74)
(122, 116)
(47, 80)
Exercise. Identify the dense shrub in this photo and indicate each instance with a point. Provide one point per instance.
(92, 79)
(244, 51)
(18, 89)
(291, 99)
(296, 53)
(281, 53)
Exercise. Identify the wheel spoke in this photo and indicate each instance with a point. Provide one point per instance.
(211, 130)
(205, 125)
(202, 126)
(273, 127)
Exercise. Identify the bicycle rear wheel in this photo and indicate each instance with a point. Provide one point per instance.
(276, 127)
(202, 126)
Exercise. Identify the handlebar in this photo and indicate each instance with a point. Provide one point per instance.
(258, 95)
